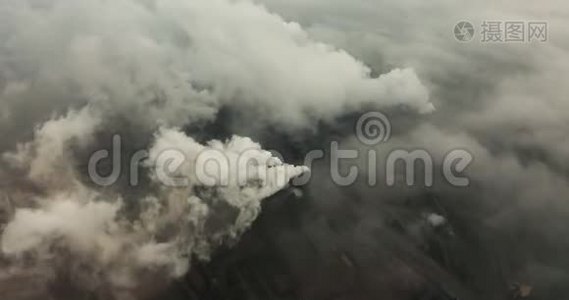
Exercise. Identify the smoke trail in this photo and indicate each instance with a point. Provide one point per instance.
(107, 250)
(71, 71)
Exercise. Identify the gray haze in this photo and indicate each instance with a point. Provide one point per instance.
(291, 75)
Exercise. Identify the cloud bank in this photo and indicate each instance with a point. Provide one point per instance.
(73, 73)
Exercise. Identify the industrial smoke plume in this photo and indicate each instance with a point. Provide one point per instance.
(231, 76)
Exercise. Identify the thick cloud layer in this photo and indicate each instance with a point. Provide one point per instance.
(503, 102)
(178, 61)
(74, 73)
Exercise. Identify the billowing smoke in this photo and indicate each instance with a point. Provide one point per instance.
(504, 102)
(74, 73)
(69, 225)
(187, 81)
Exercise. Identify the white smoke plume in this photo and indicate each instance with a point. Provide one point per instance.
(70, 69)
(114, 252)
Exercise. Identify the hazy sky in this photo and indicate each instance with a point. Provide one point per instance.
(72, 73)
